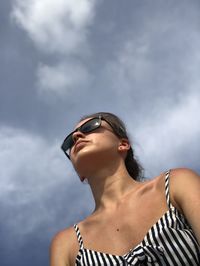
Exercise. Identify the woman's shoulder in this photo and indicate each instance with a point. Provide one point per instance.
(182, 171)
(183, 182)
(182, 177)
(63, 235)
(62, 246)
(177, 175)
(179, 179)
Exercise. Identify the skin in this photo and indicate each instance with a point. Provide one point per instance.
(117, 195)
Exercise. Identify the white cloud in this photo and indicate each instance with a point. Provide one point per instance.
(156, 58)
(170, 138)
(26, 152)
(62, 78)
(55, 25)
(35, 180)
(131, 66)
(58, 27)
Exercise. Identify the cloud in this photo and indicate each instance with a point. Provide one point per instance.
(62, 79)
(58, 28)
(170, 137)
(35, 182)
(55, 25)
(155, 74)
(156, 58)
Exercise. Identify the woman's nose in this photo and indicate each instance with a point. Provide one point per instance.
(78, 134)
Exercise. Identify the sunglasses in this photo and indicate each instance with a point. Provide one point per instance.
(86, 127)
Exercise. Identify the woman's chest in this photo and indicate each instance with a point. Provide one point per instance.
(122, 230)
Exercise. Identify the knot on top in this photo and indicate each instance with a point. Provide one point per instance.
(145, 255)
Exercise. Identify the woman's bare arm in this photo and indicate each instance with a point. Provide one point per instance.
(185, 189)
(60, 248)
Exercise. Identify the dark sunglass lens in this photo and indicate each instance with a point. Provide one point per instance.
(90, 125)
(68, 143)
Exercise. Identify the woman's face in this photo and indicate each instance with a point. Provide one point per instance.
(99, 145)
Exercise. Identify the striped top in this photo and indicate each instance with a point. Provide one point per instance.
(170, 241)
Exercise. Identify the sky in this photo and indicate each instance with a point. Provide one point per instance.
(62, 59)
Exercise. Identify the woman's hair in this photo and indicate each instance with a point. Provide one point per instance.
(132, 165)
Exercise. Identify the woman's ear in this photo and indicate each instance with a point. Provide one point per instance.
(124, 145)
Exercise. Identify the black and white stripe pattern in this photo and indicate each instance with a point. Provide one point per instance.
(170, 241)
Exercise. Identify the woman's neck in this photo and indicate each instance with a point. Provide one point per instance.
(110, 187)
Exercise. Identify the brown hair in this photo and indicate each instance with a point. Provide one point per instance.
(132, 165)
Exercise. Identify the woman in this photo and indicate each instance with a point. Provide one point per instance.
(155, 222)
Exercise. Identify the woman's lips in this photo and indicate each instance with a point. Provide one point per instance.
(79, 144)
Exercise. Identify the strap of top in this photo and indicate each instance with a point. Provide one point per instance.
(167, 175)
(79, 237)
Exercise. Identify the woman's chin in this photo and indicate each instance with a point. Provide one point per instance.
(81, 158)
(85, 160)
